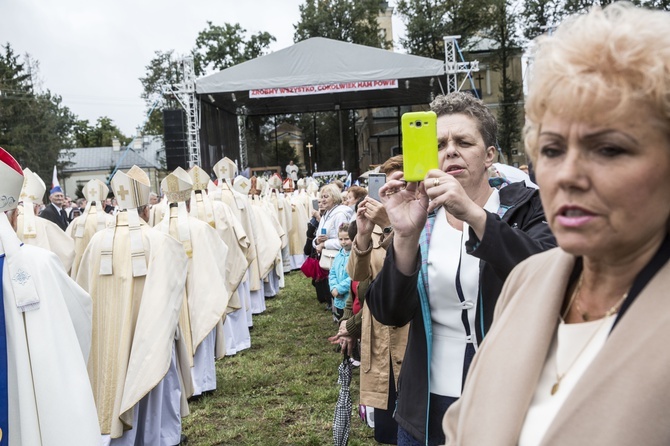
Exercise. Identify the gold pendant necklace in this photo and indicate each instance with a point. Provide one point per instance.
(614, 309)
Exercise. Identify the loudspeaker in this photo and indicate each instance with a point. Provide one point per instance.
(176, 139)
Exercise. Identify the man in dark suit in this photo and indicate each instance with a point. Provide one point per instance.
(54, 212)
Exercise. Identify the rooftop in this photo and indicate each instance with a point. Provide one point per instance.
(85, 159)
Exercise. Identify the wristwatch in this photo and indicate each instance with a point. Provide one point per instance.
(387, 230)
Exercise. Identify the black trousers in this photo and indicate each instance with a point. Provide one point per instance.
(322, 291)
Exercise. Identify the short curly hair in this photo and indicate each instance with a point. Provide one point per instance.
(391, 165)
(467, 104)
(603, 63)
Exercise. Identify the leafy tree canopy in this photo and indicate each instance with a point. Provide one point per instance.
(100, 135)
(34, 127)
(220, 47)
(427, 22)
(216, 48)
(162, 70)
(352, 21)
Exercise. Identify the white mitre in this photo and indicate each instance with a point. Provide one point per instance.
(132, 191)
(275, 182)
(177, 188)
(201, 205)
(199, 177)
(261, 185)
(242, 184)
(301, 184)
(225, 169)
(94, 191)
(32, 192)
(313, 187)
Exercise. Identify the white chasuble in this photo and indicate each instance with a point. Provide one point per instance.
(50, 237)
(134, 319)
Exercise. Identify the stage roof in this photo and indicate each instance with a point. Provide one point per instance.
(321, 74)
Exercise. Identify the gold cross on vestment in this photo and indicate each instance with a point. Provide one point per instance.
(122, 192)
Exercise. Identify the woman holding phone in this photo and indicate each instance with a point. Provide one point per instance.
(456, 240)
(589, 363)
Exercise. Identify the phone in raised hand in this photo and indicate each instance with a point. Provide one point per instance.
(375, 182)
(419, 144)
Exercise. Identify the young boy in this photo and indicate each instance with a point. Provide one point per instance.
(338, 279)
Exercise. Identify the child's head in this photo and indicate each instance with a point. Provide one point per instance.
(343, 236)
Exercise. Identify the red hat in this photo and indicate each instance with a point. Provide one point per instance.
(11, 181)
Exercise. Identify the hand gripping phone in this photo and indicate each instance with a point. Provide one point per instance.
(419, 144)
(375, 182)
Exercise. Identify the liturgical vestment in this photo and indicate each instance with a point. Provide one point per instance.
(49, 236)
(82, 229)
(50, 402)
(134, 319)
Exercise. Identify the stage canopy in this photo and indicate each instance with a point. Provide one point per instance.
(321, 74)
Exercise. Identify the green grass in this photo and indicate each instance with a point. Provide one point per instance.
(283, 390)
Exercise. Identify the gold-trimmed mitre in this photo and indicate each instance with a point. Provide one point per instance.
(242, 184)
(177, 186)
(199, 177)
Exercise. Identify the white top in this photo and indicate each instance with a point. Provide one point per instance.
(446, 251)
(568, 355)
(292, 172)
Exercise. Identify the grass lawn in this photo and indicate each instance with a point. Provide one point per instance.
(283, 390)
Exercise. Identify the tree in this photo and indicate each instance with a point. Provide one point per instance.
(100, 135)
(502, 31)
(162, 70)
(539, 16)
(427, 22)
(34, 128)
(352, 21)
(220, 47)
(216, 47)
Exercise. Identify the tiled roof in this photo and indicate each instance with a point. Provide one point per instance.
(86, 159)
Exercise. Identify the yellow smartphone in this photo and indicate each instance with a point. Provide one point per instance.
(419, 144)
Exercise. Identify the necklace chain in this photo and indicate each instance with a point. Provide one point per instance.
(614, 309)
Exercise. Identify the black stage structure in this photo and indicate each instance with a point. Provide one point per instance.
(315, 75)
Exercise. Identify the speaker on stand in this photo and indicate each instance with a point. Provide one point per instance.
(176, 139)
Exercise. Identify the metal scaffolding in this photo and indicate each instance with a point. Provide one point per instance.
(453, 67)
(185, 94)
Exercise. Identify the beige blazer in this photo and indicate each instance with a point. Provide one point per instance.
(623, 398)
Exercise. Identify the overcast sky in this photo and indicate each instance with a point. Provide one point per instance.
(93, 53)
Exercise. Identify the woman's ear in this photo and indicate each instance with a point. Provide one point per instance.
(489, 156)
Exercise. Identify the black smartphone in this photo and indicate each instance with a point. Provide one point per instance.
(315, 204)
(375, 182)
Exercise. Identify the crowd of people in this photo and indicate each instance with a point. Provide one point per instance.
(146, 296)
(481, 308)
(513, 294)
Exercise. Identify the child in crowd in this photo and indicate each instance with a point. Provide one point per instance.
(338, 279)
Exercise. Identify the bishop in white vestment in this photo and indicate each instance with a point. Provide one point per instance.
(136, 277)
(45, 338)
